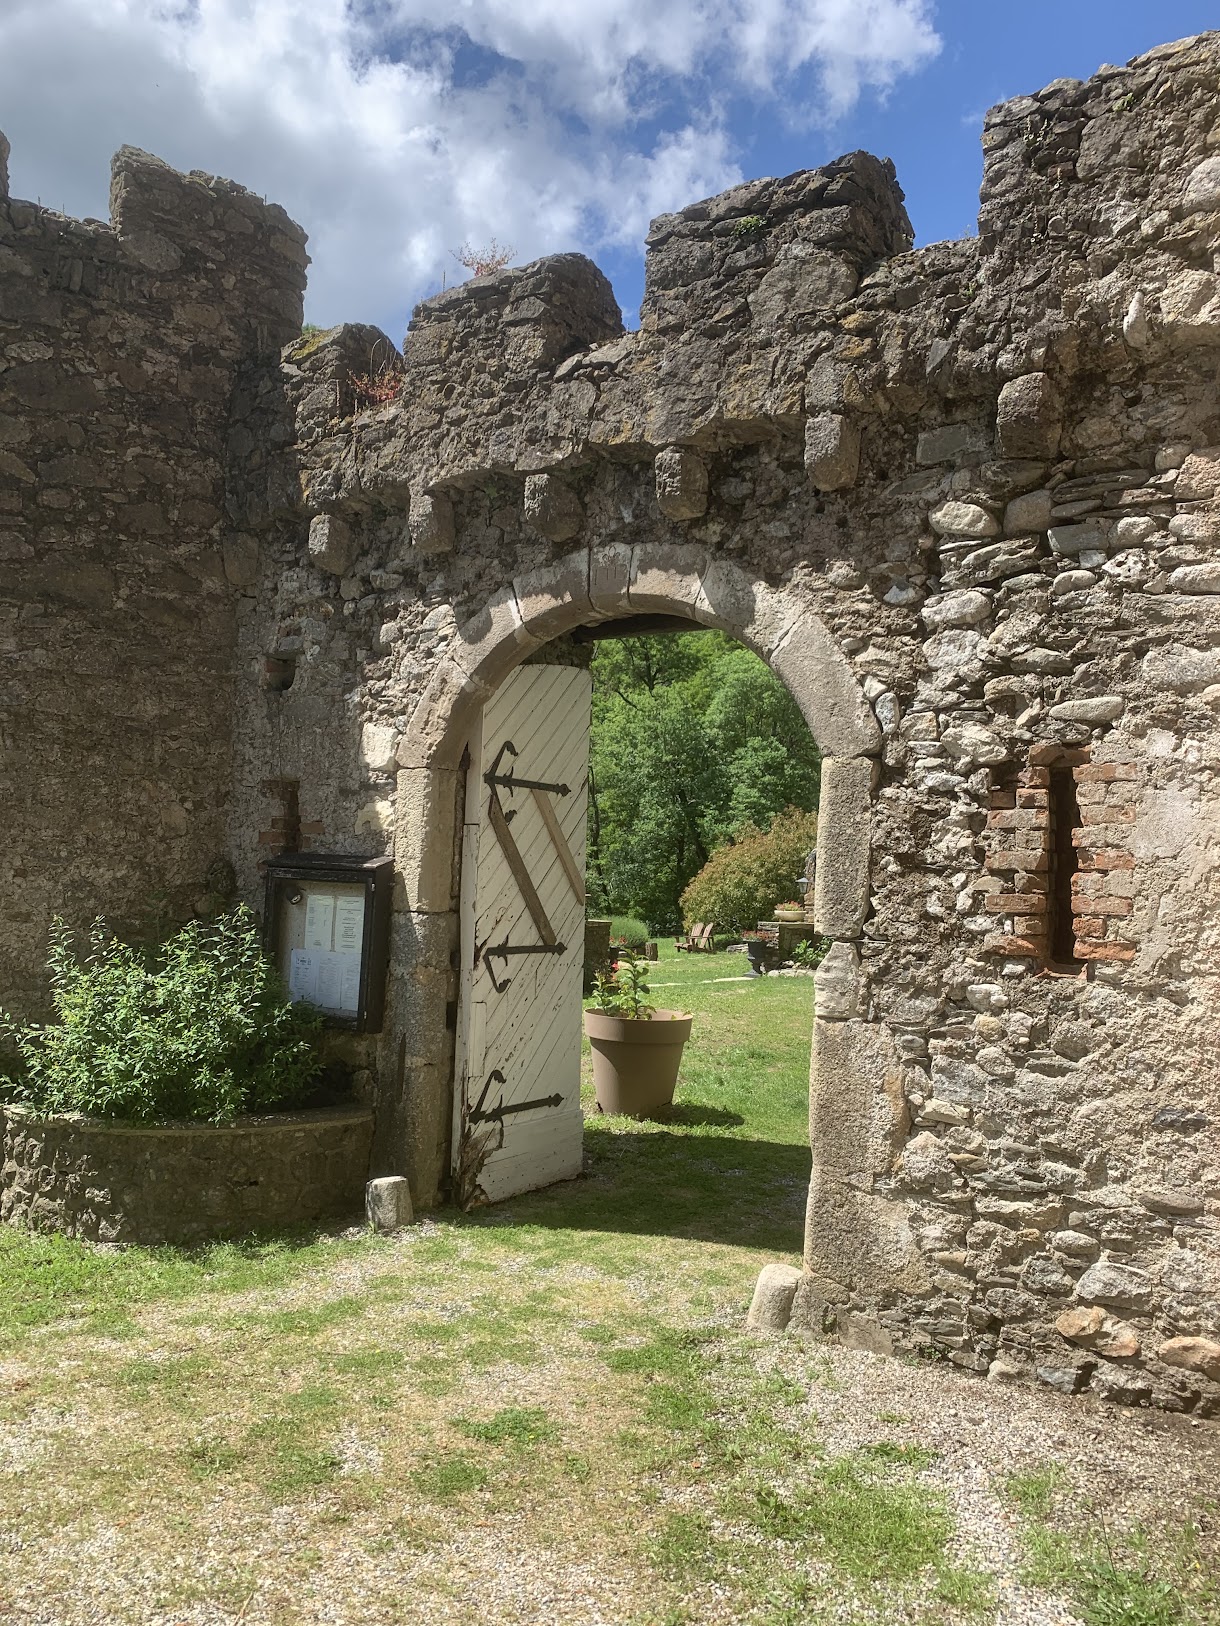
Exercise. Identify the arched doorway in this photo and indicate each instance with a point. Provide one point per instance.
(856, 1240)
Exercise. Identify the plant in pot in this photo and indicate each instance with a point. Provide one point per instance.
(637, 1049)
(793, 911)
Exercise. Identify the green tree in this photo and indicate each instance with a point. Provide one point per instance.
(693, 739)
(744, 880)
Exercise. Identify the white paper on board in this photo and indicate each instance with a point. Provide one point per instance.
(302, 975)
(349, 923)
(349, 991)
(319, 920)
(330, 979)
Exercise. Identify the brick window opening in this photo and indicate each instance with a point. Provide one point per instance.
(282, 819)
(1064, 811)
(1061, 878)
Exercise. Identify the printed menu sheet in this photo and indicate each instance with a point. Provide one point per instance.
(326, 972)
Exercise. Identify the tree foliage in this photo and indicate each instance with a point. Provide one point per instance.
(693, 739)
(742, 883)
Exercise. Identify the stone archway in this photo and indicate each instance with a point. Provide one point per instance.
(856, 1242)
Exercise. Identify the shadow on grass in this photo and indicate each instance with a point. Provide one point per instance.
(693, 1116)
(653, 1182)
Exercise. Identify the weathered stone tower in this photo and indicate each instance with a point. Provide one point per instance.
(964, 500)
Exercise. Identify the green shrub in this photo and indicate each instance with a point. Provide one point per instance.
(628, 932)
(724, 940)
(199, 1028)
(741, 883)
(809, 955)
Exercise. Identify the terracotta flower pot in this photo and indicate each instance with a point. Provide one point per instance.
(635, 1064)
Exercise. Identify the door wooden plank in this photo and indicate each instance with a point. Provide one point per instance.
(531, 1031)
(554, 829)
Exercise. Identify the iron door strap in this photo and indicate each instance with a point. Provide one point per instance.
(520, 872)
(511, 782)
(506, 951)
(499, 817)
(497, 1114)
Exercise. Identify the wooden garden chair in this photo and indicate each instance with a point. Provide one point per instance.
(693, 942)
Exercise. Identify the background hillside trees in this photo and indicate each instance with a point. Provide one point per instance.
(693, 739)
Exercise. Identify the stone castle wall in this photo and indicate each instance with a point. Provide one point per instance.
(966, 501)
(125, 353)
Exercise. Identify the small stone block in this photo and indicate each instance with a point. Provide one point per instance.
(387, 1202)
(1028, 417)
(1102, 708)
(771, 1306)
(681, 482)
(431, 524)
(832, 451)
(331, 544)
(1195, 578)
(552, 508)
(1200, 1355)
(1202, 186)
(837, 983)
(841, 889)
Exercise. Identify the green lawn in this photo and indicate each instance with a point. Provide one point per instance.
(731, 1163)
(729, 1167)
(547, 1410)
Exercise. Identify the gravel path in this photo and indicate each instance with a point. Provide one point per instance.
(365, 1549)
(1119, 1463)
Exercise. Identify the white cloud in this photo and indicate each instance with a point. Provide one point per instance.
(394, 133)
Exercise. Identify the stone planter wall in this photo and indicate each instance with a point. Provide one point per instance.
(179, 1182)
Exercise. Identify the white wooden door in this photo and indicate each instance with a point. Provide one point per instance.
(517, 1118)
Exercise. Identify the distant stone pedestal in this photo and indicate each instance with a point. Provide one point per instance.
(783, 937)
(597, 951)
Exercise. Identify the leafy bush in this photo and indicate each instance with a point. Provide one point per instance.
(199, 1028)
(809, 955)
(628, 931)
(742, 883)
(484, 260)
(693, 738)
(724, 940)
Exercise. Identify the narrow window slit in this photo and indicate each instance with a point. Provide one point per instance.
(1064, 864)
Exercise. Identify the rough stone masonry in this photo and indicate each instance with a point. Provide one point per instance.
(966, 502)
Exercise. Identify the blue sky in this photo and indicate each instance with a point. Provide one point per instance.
(397, 130)
(931, 123)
